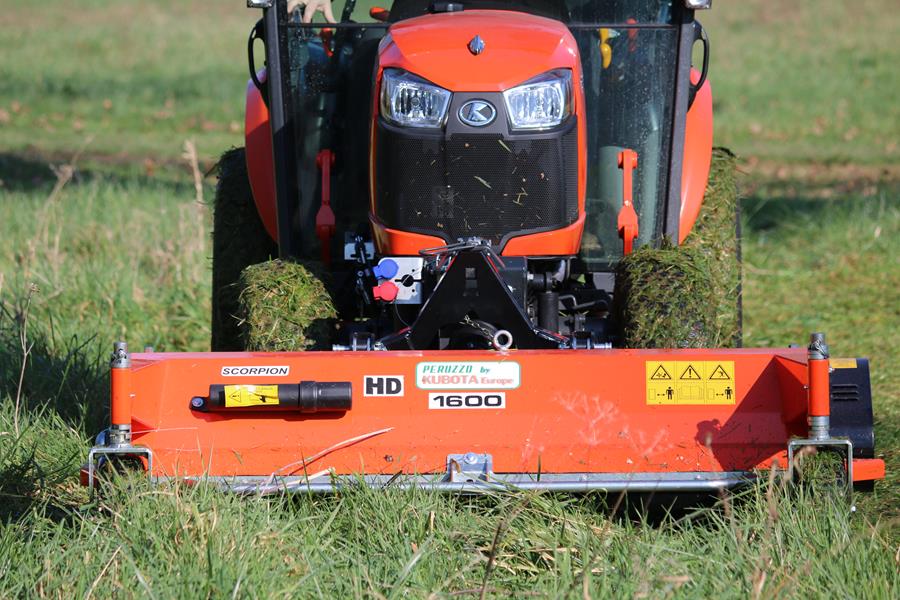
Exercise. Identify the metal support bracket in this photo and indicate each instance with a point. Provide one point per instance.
(98, 452)
(795, 446)
(470, 468)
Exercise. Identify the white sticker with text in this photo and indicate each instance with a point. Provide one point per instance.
(463, 400)
(468, 375)
(255, 371)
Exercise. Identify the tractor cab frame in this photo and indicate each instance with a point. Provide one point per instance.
(641, 93)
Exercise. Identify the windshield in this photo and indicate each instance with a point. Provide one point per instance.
(630, 97)
(571, 12)
(629, 82)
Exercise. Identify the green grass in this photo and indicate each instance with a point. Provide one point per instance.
(180, 542)
(135, 77)
(122, 252)
(795, 81)
(123, 257)
(831, 265)
(806, 81)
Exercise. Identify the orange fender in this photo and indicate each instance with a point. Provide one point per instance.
(260, 159)
(698, 138)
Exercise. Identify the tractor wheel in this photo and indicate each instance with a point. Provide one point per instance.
(717, 233)
(239, 240)
(688, 296)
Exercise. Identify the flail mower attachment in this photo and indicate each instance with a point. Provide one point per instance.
(564, 420)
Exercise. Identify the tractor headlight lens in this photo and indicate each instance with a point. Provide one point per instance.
(411, 101)
(542, 102)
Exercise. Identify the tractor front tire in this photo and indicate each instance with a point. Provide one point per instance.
(239, 240)
(717, 233)
(688, 296)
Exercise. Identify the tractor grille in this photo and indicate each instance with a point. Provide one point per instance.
(483, 185)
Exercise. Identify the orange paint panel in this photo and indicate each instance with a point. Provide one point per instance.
(518, 46)
(698, 140)
(565, 241)
(819, 388)
(401, 243)
(120, 396)
(868, 469)
(792, 375)
(569, 411)
(260, 160)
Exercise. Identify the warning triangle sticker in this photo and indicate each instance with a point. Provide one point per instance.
(660, 374)
(720, 374)
(690, 373)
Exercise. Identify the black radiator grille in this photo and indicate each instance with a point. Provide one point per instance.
(483, 185)
(844, 392)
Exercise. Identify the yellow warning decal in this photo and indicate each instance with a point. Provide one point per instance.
(691, 382)
(842, 363)
(243, 396)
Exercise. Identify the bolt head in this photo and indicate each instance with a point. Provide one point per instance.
(471, 458)
(476, 45)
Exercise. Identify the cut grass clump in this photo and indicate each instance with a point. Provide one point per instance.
(665, 298)
(715, 234)
(285, 306)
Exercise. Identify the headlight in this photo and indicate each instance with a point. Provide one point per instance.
(542, 102)
(411, 101)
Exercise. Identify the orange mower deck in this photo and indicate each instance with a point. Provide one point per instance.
(576, 420)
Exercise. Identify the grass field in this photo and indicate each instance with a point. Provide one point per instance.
(103, 238)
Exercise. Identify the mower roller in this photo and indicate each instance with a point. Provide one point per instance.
(490, 209)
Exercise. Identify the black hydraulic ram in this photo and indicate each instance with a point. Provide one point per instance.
(305, 397)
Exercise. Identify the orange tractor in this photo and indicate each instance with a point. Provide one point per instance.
(469, 174)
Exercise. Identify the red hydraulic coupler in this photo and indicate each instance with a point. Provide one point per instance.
(628, 219)
(386, 292)
(325, 217)
(819, 392)
(120, 396)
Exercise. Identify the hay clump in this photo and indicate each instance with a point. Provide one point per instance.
(716, 234)
(285, 306)
(664, 298)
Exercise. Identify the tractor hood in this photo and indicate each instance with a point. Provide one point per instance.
(517, 47)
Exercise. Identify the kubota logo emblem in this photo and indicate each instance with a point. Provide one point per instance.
(477, 113)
